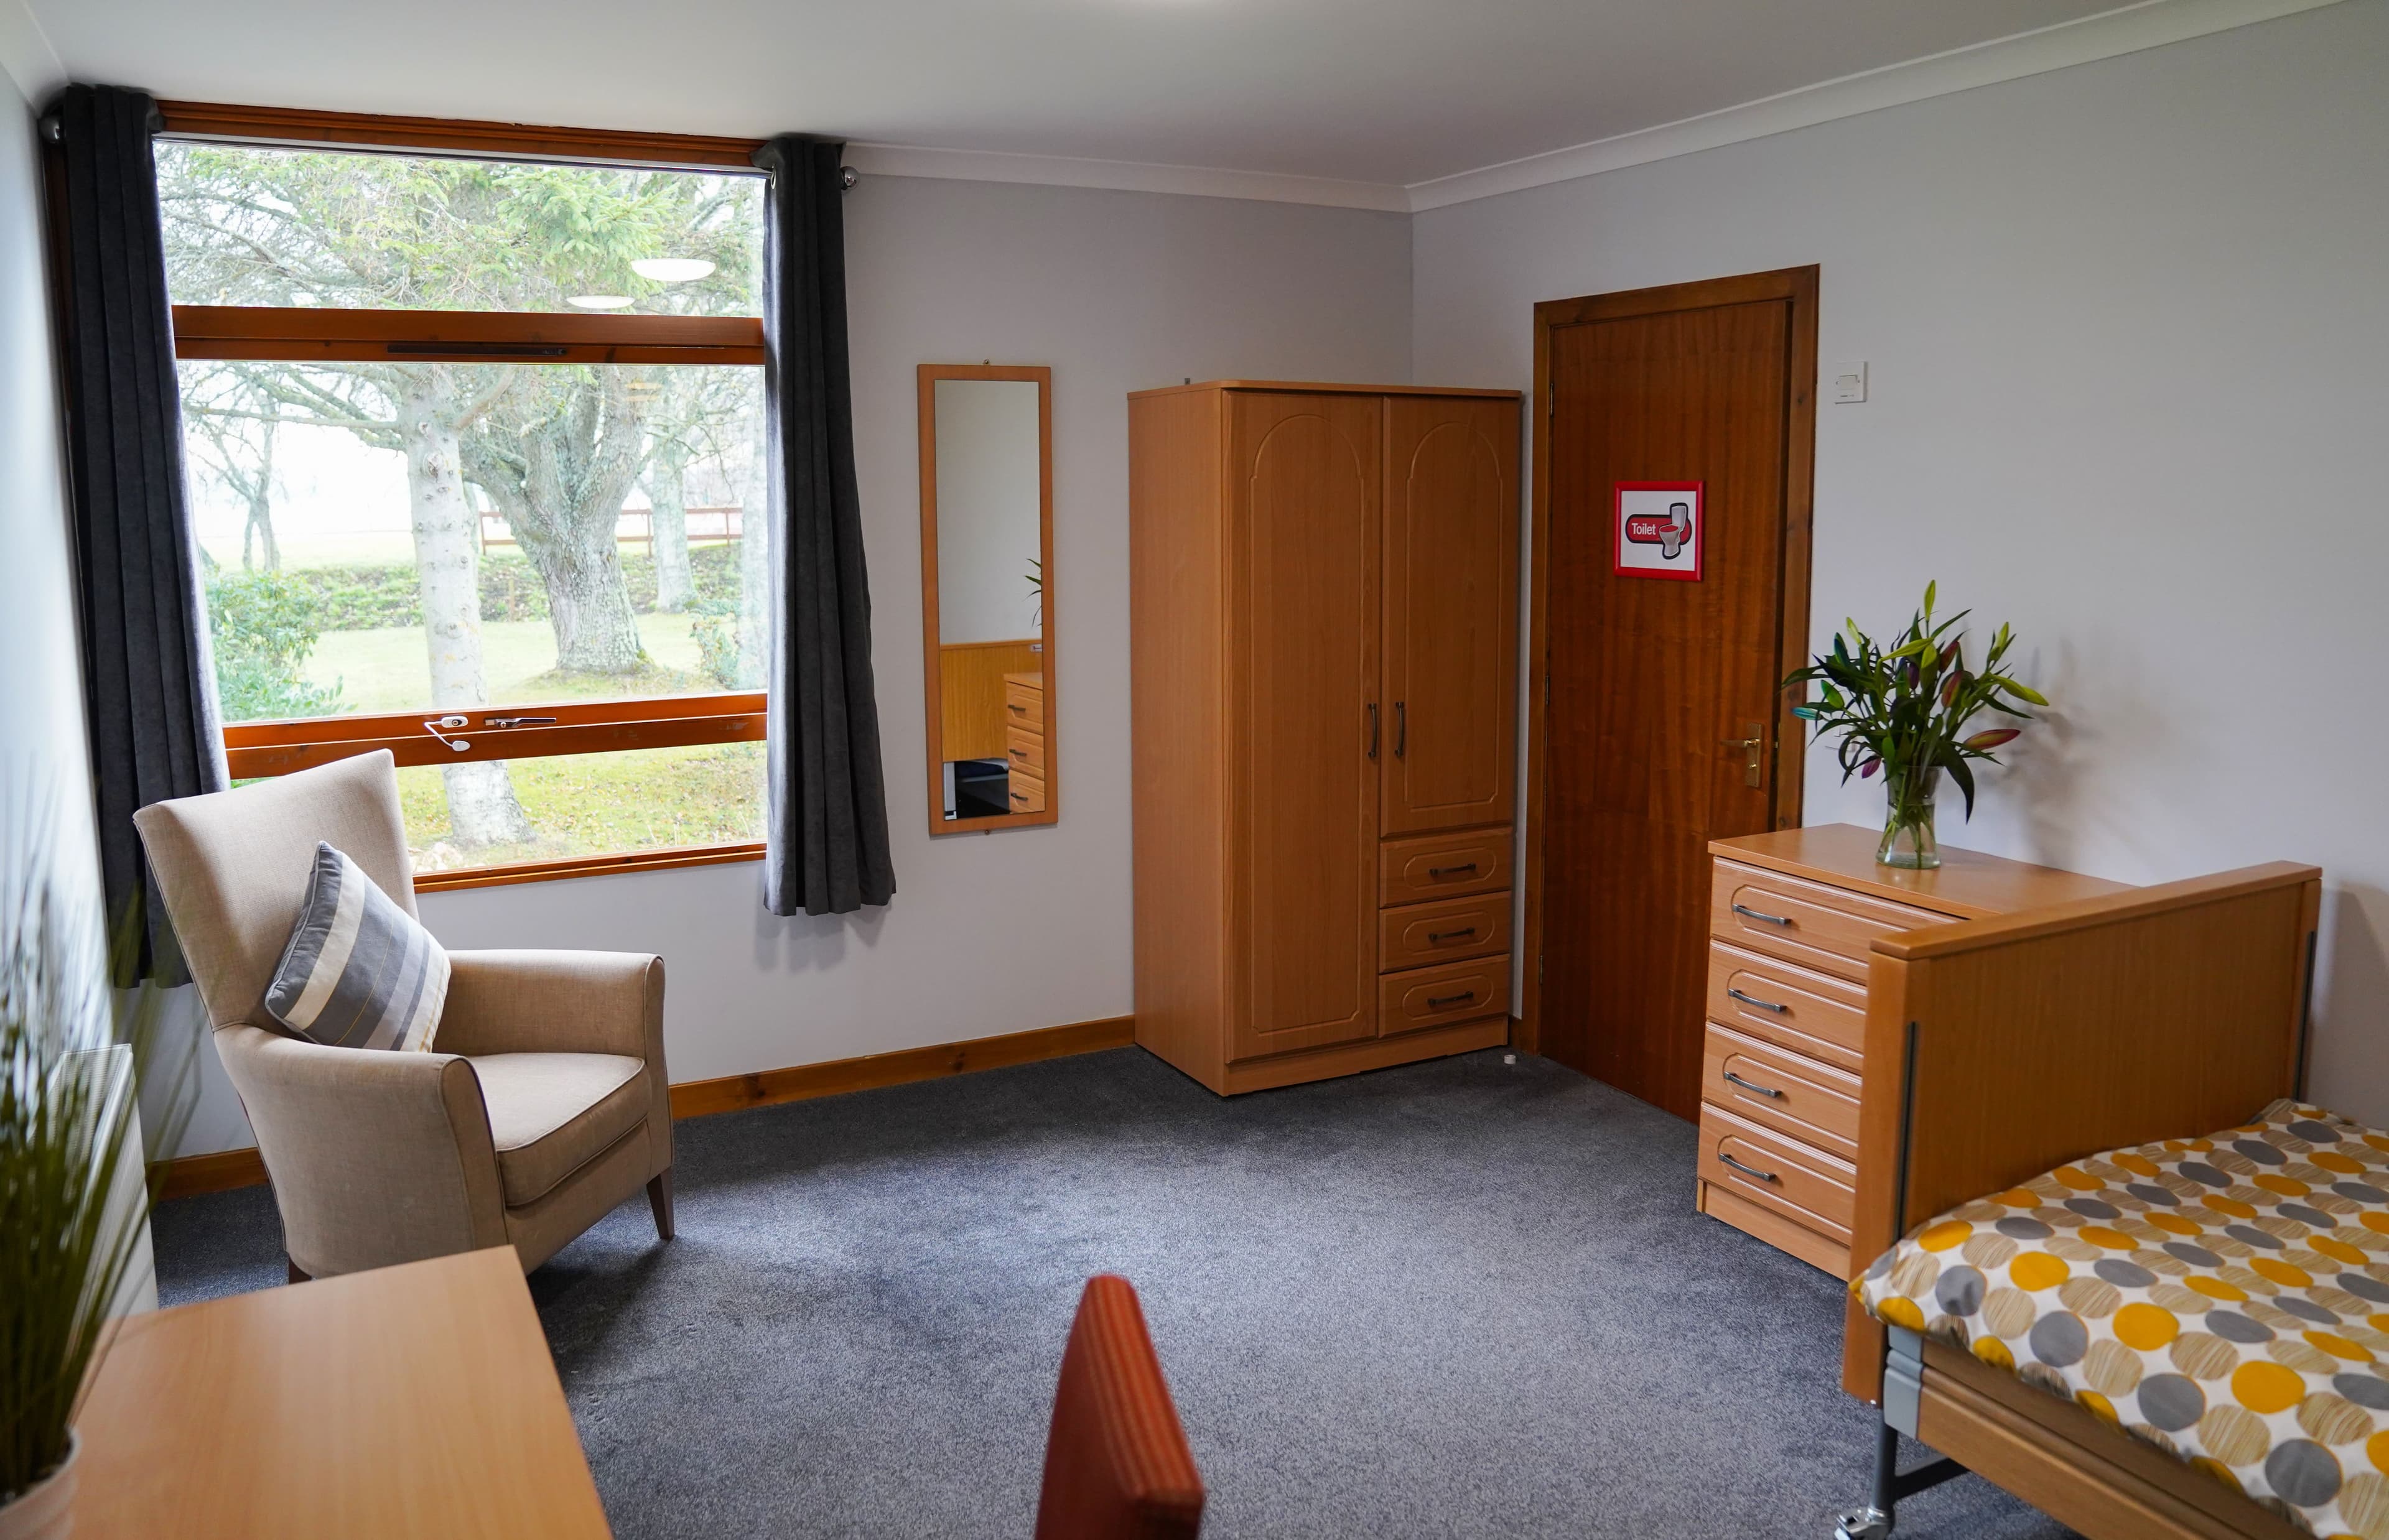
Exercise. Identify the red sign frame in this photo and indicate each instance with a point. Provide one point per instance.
(1618, 533)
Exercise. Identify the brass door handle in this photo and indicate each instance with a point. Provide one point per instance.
(1753, 751)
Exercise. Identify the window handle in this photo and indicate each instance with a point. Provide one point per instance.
(439, 727)
(1753, 1086)
(1769, 919)
(1750, 1170)
(517, 721)
(1762, 1004)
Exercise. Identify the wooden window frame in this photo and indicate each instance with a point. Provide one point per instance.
(330, 336)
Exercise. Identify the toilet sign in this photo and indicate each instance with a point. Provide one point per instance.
(1659, 530)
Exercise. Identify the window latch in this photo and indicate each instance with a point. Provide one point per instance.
(517, 721)
(439, 727)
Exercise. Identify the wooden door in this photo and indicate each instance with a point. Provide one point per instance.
(1451, 611)
(1652, 683)
(1303, 552)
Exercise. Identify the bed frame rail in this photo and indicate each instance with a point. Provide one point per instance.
(2043, 1036)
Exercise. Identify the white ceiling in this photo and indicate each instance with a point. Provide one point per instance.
(1383, 91)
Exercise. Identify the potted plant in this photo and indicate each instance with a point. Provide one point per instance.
(74, 1193)
(1902, 709)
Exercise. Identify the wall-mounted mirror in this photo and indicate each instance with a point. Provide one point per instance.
(987, 593)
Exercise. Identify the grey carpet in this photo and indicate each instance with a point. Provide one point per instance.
(1461, 1298)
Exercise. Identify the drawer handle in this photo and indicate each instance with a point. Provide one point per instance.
(1020, 796)
(1753, 1086)
(1437, 873)
(1437, 938)
(1436, 1002)
(1016, 709)
(1750, 1170)
(1762, 1004)
(1769, 919)
(1020, 754)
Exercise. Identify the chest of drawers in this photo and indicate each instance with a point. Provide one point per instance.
(1793, 918)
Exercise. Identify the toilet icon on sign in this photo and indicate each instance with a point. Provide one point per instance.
(1669, 534)
(1659, 530)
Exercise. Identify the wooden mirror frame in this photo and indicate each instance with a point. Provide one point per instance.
(932, 659)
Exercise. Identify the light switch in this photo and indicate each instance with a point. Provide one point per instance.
(1849, 382)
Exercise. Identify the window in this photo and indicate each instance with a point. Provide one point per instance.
(473, 446)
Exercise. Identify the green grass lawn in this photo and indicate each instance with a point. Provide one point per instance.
(601, 804)
(389, 669)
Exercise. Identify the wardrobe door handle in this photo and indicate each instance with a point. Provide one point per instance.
(1373, 729)
(1750, 1170)
(1754, 914)
(1402, 729)
(1753, 1086)
(1762, 1004)
(1437, 938)
(1437, 873)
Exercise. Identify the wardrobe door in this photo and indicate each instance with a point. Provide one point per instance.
(1303, 555)
(1451, 612)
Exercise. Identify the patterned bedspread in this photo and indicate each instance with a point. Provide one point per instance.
(2224, 1299)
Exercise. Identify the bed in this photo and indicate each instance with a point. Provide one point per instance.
(2068, 1070)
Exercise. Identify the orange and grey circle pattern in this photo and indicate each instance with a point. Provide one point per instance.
(2224, 1299)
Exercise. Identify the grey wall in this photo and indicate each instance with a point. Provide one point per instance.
(2129, 334)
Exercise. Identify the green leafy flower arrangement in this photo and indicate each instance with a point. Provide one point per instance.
(1903, 708)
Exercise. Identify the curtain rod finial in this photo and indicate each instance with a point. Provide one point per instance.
(847, 177)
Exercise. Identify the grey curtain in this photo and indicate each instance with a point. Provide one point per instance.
(148, 692)
(827, 805)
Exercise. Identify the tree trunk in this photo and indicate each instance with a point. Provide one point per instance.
(674, 584)
(588, 606)
(481, 806)
(259, 494)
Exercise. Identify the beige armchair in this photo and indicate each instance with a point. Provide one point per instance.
(544, 1104)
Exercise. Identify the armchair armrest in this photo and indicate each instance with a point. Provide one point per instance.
(377, 1157)
(555, 1002)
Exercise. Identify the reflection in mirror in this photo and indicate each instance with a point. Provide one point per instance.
(987, 600)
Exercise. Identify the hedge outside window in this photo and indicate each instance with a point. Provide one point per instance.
(471, 445)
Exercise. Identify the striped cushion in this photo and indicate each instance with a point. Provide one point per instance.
(359, 972)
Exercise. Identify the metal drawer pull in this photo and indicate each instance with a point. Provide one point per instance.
(1437, 938)
(1437, 872)
(1436, 1002)
(1402, 729)
(1753, 1086)
(1020, 754)
(1750, 1170)
(1373, 729)
(1016, 709)
(1754, 914)
(1762, 1004)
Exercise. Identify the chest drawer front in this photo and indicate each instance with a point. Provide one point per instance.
(1792, 1007)
(1028, 792)
(1788, 1092)
(1797, 1180)
(1024, 707)
(1440, 996)
(1024, 749)
(1417, 935)
(1826, 928)
(1443, 866)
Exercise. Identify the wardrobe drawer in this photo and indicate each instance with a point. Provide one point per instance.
(1789, 1093)
(1797, 1180)
(1026, 750)
(1023, 707)
(1028, 793)
(1416, 935)
(1808, 1012)
(1440, 995)
(1442, 866)
(1827, 928)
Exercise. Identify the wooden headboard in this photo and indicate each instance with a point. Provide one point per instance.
(2045, 1036)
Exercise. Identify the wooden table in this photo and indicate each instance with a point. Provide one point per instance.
(414, 1401)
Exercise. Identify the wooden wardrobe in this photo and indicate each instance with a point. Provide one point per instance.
(1323, 602)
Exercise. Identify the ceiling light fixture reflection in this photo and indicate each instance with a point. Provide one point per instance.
(600, 301)
(672, 270)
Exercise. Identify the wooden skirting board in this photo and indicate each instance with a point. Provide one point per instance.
(193, 1175)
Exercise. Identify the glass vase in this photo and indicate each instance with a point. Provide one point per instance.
(1907, 839)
